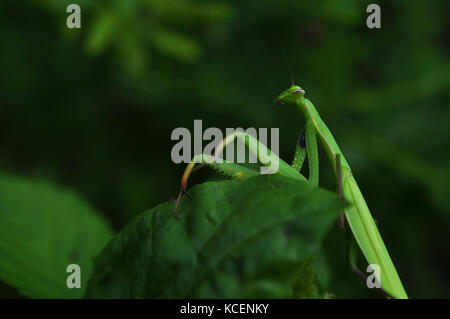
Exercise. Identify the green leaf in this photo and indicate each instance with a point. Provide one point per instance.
(235, 239)
(306, 285)
(42, 230)
(177, 45)
(102, 32)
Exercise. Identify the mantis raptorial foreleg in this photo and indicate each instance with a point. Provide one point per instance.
(307, 146)
(300, 153)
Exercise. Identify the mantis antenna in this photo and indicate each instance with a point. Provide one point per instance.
(291, 73)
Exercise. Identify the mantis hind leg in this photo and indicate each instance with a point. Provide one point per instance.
(227, 169)
(265, 156)
(352, 246)
(340, 192)
(256, 148)
(235, 171)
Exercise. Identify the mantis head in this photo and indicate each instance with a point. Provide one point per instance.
(291, 95)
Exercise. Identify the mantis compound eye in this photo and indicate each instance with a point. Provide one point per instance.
(298, 91)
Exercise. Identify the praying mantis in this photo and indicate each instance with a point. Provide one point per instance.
(357, 215)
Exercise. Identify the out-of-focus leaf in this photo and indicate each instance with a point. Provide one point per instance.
(403, 93)
(344, 12)
(42, 231)
(235, 239)
(134, 57)
(177, 45)
(102, 32)
(189, 13)
(306, 285)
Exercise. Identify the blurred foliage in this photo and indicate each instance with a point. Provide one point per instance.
(44, 229)
(93, 109)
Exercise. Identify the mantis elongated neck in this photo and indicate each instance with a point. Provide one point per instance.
(301, 104)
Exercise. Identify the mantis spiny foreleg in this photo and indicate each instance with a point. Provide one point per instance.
(300, 153)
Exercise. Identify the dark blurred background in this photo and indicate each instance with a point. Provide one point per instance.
(92, 109)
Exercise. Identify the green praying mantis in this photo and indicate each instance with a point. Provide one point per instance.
(358, 216)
